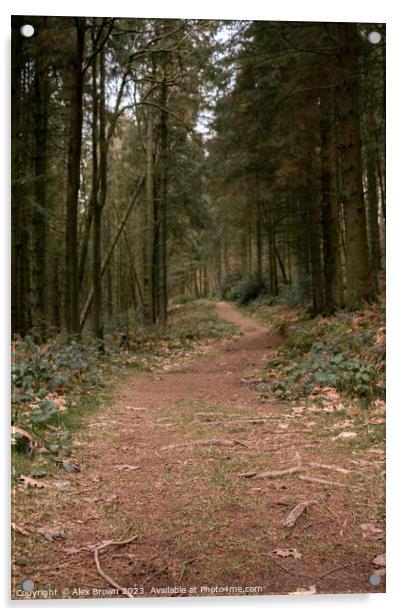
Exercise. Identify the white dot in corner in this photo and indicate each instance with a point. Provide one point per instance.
(374, 37)
(27, 30)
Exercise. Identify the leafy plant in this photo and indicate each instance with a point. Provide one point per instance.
(341, 352)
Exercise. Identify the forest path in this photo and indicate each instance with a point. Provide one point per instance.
(165, 464)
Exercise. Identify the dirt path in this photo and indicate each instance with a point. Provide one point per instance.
(217, 379)
(165, 463)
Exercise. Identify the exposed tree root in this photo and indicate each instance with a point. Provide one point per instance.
(296, 512)
(271, 474)
(205, 442)
(324, 482)
(338, 469)
(96, 550)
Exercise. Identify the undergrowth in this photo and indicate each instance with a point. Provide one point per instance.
(345, 351)
(53, 382)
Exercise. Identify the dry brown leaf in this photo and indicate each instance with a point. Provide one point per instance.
(379, 561)
(15, 430)
(294, 552)
(345, 436)
(19, 529)
(379, 405)
(29, 482)
(61, 484)
(371, 533)
(311, 590)
(298, 409)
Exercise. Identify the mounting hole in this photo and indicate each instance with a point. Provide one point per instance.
(27, 30)
(374, 37)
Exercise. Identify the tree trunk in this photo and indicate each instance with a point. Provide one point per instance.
(76, 81)
(149, 232)
(98, 202)
(39, 215)
(373, 226)
(359, 284)
(330, 214)
(17, 300)
(315, 226)
(108, 256)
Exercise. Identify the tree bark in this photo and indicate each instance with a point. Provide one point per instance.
(76, 82)
(162, 213)
(359, 284)
(149, 232)
(334, 297)
(39, 213)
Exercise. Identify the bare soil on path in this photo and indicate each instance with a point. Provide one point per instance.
(165, 464)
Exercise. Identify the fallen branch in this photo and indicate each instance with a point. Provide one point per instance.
(271, 474)
(324, 482)
(295, 514)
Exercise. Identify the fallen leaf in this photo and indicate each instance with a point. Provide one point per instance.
(17, 433)
(38, 473)
(62, 484)
(51, 534)
(71, 465)
(29, 482)
(371, 532)
(298, 409)
(345, 436)
(379, 405)
(379, 561)
(312, 590)
(288, 552)
(19, 529)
